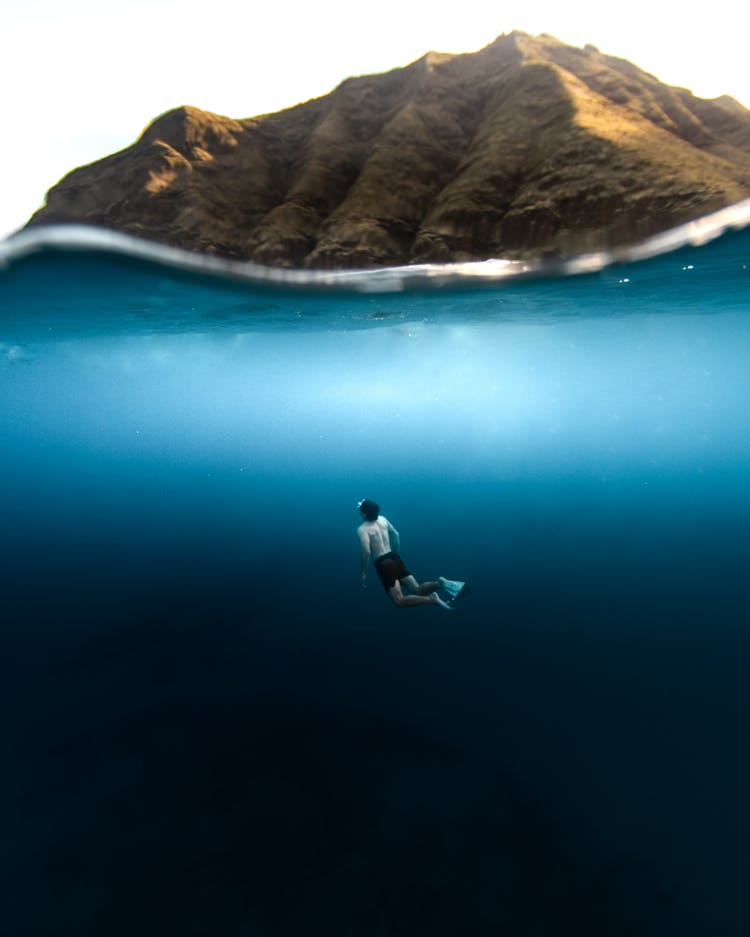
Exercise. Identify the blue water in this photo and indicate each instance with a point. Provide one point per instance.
(211, 729)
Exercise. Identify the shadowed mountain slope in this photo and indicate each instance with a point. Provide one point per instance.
(526, 148)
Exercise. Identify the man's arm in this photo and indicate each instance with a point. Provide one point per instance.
(364, 558)
(393, 536)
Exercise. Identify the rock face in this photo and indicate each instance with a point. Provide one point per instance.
(526, 148)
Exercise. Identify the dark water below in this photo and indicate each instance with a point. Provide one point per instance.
(209, 728)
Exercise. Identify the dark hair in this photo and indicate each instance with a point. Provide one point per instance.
(369, 510)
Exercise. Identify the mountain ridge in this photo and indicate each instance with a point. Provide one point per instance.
(527, 148)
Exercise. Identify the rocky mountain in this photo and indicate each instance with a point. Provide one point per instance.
(528, 147)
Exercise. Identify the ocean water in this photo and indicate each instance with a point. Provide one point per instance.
(210, 728)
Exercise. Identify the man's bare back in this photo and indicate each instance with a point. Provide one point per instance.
(375, 537)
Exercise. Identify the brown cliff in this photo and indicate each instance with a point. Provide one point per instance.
(526, 148)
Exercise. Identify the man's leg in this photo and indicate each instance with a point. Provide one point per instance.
(424, 588)
(409, 601)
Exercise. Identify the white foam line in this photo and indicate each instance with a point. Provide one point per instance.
(426, 277)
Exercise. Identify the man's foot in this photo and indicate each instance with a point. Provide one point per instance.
(436, 600)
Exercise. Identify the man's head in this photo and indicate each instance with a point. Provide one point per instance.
(369, 510)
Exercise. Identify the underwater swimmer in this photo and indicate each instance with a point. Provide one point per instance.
(379, 539)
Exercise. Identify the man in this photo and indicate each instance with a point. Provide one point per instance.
(379, 539)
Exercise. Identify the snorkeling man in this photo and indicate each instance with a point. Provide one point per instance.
(379, 539)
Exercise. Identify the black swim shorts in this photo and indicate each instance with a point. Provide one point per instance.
(390, 567)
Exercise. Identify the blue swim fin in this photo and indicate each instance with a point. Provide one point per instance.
(453, 587)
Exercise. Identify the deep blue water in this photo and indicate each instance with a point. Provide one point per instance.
(209, 728)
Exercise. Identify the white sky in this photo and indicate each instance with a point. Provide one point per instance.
(81, 79)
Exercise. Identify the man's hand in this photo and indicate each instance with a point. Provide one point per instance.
(363, 580)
